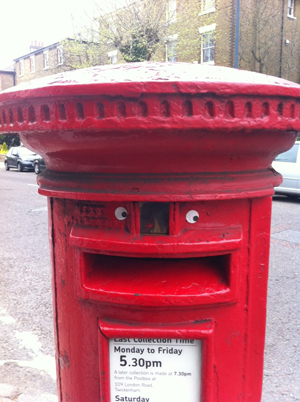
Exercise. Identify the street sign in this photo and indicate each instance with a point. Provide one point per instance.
(155, 370)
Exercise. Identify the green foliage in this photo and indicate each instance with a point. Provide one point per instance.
(79, 53)
(136, 29)
(136, 49)
(11, 140)
(3, 148)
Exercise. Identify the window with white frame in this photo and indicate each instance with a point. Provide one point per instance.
(32, 64)
(208, 6)
(291, 8)
(171, 11)
(46, 59)
(171, 48)
(113, 56)
(208, 43)
(60, 56)
(21, 67)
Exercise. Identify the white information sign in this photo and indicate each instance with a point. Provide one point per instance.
(155, 370)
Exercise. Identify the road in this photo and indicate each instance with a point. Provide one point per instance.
(26, 328)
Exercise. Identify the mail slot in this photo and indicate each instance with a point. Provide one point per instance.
(159, 224)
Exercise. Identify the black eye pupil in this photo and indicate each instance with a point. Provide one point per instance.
(124, 214)
(195, 218)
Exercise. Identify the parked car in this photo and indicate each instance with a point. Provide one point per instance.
(39, 164)
(288, 165)
(19, 158)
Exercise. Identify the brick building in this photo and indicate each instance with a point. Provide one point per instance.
(289, 61)
(7, 78)
(39, 62)
(206, 31)
(268, 35)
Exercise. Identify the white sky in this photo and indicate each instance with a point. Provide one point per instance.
(24, 21)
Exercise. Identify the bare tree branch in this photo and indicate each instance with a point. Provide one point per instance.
(261, 21)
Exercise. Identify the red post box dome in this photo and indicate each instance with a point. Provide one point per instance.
(206, 123)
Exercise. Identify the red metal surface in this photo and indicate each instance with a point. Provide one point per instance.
(195, 138)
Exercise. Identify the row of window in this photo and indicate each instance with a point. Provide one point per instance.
(207, 49)
(207, 6)
(207, 45)
(207, 35)
(60, 61)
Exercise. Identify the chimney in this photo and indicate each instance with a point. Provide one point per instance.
(34, 45)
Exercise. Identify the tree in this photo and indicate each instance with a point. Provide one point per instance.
(11, 140)
(136, 29)
(290, 51)
(260, 35)
(81, 53)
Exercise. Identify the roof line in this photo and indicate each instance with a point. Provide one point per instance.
(41, 49)
(7, 72)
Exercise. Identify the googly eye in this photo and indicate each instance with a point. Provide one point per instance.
(192, 216)
(121, 213)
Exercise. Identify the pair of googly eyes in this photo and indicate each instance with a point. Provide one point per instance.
(121, 213)
(191, 217)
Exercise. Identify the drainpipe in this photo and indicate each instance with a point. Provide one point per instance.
(237, 34)
(281, 37)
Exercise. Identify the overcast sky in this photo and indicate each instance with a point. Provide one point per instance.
(24, 21)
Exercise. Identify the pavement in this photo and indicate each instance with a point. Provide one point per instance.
(282, 357)
(10, 393)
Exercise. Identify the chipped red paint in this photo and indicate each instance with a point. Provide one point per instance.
(198, 138)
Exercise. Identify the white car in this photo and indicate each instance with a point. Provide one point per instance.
(288, 165)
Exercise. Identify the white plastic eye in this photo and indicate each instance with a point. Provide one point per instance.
(121, 213)
(192, 216)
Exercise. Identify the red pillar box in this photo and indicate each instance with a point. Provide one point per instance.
(159, 186)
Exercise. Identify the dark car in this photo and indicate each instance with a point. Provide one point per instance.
(39, 164)
(20, 158)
